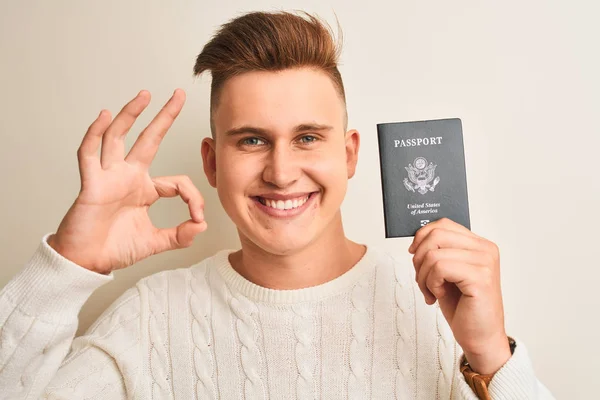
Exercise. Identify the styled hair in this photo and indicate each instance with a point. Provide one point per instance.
(269, 41)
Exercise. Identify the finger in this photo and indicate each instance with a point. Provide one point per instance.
(180, 236)
(433, 257)
(440, 238)
(145, 147)
(447, 274)
(87, 154)
(444, 223)
(113, 141)
(182, 185)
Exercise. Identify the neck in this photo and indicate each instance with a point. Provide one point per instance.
(322, 260)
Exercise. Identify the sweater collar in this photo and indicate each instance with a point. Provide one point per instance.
(252, 291)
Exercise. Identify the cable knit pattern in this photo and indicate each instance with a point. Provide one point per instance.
(123, 311)
(26, 379)
(10, 339)
(118, 313)
(158, 333)
(306, 352)
(352, 337)
(200, 305)
(359, 352)
(248, 335)
(445, 355)
(405, 369)
(116, 333)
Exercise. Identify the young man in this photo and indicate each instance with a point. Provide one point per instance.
(300, 311)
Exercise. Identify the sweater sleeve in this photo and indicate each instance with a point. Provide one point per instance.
(514, 380)
(39, 357)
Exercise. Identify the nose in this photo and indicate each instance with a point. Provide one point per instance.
(282, 167)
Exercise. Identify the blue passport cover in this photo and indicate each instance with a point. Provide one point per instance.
(423, 174)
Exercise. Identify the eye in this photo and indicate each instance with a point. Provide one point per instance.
(252, 141)
(308, 139)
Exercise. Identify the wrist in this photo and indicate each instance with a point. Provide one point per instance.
(54, 244)
(489, 361)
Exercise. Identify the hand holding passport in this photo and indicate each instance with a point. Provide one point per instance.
(423, 174)
(424, 180)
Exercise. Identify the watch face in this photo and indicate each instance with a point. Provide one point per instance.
(512, 345)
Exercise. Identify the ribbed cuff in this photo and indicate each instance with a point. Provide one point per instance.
(51, 287)
(515, 380)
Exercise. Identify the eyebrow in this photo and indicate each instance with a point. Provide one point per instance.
(261, 131)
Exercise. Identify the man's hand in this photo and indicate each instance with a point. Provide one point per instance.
(462, 271)
(108, 226)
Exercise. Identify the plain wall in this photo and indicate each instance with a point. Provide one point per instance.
(522, 76)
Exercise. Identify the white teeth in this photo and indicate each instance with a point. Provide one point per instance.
(285, 205)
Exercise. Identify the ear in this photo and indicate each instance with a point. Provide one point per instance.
(209, 160)
(352, 146)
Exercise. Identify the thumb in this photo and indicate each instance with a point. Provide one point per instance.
(180, 236)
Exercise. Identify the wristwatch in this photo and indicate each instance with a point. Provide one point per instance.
(478, 382)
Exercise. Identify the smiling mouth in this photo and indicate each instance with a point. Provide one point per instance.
(288, 204)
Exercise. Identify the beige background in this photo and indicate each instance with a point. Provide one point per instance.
(523, 76)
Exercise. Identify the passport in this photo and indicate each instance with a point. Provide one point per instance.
(423, 174)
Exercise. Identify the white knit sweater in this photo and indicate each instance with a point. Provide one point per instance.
(205, 332)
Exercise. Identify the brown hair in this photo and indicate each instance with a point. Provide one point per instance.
(261, 41)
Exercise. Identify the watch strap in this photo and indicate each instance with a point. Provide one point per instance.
(478, 382)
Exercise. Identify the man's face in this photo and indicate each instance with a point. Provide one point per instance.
(281, 157)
